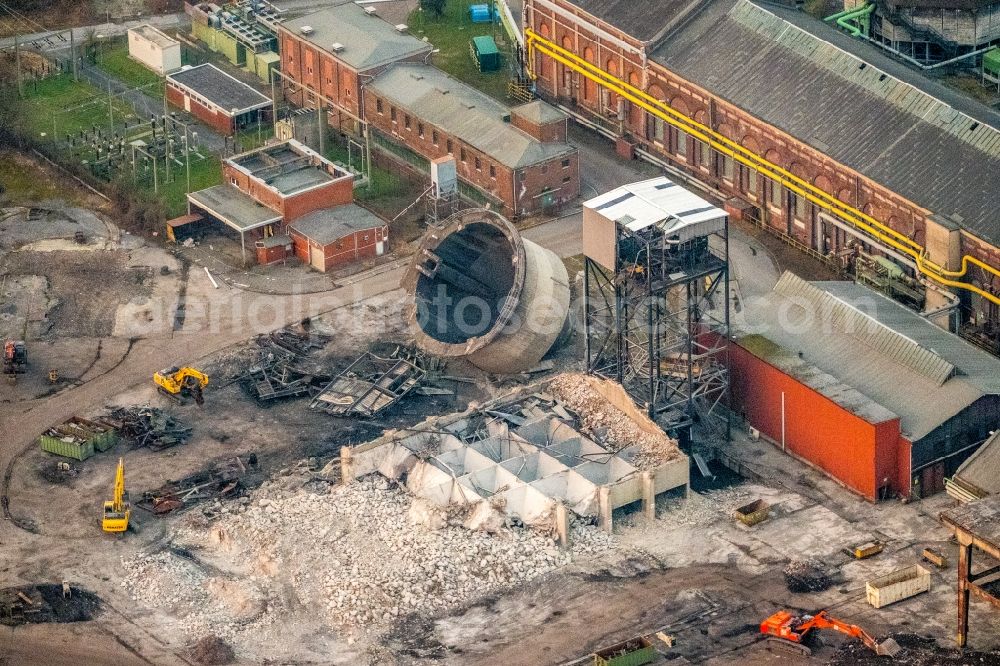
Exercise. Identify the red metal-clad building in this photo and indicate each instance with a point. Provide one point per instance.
(857, 385)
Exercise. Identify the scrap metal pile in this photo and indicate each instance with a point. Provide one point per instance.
(148, 427)
(368, 386)
(282, 369)
(222, 480)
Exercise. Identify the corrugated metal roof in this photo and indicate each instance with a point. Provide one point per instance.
(367, 41)
(473, 117)
(659, 201)
(896, 358)
(822, 382)
(849, 101)
(972, 364)
(865, 329)
(982, 469)
(635, 17)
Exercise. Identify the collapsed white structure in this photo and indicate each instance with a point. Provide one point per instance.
(524, 456)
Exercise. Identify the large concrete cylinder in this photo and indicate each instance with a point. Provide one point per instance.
(482, 292)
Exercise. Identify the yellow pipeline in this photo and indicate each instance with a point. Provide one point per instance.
(726, 146)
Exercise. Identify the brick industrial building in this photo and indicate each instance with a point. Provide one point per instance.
(216, 98)
(835, 113)
(518, 157)
(331, 237)
(267, 192)
(334, 51)
(862, 387)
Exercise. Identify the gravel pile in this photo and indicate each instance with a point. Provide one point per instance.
(703, 508)
(351, 555)
(200, 602)
(609, 425)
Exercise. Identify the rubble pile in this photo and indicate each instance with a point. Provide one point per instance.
(703, 508)
(200, 601)
(148, 426)
(355, 555)
(212, 651)
(809, 575)
(609, 426)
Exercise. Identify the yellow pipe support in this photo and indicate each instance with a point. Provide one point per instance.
(790, 181)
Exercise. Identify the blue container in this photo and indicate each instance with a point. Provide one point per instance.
(480, 13)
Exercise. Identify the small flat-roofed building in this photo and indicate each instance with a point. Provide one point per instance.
(518, 157)
(266, 189)
(334, 51)
(216, 98)
(154, 49)
(331, 237)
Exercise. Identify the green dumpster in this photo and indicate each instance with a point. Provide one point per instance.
(78, 438)
(991, 62)
(485, 53)
(633, 652)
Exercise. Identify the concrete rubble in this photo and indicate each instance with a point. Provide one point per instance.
(614, 425)
(531, 457)
(358, 556)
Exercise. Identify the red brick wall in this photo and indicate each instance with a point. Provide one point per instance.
(359, 245)
(252, 187)
(335, 193)
(857, 453)
(548, 133)
(836, 179)
(291, 208)
(211, 117)
(320, 71)
(501, 183)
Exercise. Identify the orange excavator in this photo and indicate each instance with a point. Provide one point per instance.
(793, 631)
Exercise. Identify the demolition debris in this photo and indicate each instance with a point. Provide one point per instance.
(368, 386)
(148, 427)
(222, 480)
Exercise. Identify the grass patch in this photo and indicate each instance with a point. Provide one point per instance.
(115, 61)
(61, 104)
(23, 180)
(383, 185)
(452, 33)
(250, 139)
(204, 173)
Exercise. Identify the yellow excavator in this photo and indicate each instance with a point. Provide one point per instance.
(118, 510)
(177, 382)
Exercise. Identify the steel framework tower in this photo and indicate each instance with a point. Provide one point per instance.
(656, 284)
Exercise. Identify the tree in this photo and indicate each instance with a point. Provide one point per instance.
(436, 6)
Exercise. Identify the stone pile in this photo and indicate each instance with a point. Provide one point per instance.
(200, 601)
(608, 425)
(354, 555)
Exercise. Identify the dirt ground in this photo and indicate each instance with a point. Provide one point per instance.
(692, 573)
(78, 306)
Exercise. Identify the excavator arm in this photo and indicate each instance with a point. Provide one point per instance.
(118, 510)
(791, 629)
(822, 620)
